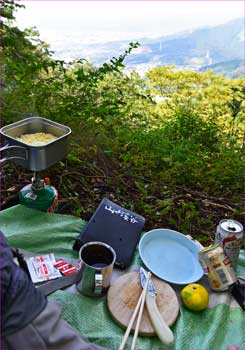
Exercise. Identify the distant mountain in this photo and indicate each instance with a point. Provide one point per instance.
(207, 46)
(229, 69)
(202, 47)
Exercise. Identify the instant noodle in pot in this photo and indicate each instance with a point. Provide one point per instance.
(37, 139)
(35, 143)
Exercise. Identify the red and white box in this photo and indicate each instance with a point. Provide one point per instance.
(64, 267)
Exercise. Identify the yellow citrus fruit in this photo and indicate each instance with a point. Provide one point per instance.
(195, 297)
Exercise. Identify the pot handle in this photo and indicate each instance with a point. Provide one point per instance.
(8, 147)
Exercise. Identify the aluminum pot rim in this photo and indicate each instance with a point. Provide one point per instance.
(19, 123)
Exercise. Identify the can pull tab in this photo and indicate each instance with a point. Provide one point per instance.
(231, 226)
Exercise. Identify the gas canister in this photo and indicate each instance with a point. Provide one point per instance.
(39, 195)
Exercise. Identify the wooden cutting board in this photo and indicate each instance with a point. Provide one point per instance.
(123, 296)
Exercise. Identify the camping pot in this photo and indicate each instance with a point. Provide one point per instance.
(34, 158)
(96, 261)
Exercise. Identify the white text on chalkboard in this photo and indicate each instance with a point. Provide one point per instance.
(123, 214)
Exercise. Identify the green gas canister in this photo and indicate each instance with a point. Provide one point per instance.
(39, 195)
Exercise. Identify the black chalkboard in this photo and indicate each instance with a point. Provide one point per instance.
(116, 226)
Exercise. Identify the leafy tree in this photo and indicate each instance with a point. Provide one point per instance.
(33, 82)
(210, 96)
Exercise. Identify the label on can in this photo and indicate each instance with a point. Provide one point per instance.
(231, 246)
(220, 273)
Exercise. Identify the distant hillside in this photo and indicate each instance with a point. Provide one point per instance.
(192, 50)
(229, 69)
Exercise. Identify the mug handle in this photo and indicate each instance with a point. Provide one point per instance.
(98, 283)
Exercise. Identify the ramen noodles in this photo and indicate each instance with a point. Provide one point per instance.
(37, 139)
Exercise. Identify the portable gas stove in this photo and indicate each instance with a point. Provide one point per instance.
(39, 194)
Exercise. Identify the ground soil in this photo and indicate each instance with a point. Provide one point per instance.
(81, 188)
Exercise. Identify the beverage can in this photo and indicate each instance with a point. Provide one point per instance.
(220, 272)
(229, 236)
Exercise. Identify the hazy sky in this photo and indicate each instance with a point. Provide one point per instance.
(101, 21)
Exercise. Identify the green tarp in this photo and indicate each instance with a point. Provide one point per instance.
(220, 327)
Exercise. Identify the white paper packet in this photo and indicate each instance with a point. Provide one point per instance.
(41, 268)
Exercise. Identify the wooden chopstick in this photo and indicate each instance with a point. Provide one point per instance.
(140, 311)
(126, 334)
(139, 303)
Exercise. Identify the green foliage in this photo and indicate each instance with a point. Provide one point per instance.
(25, 58)
(7, 9)
(35, 83)
(209, 96)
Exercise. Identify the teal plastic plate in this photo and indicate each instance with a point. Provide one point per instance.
(171, 256)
